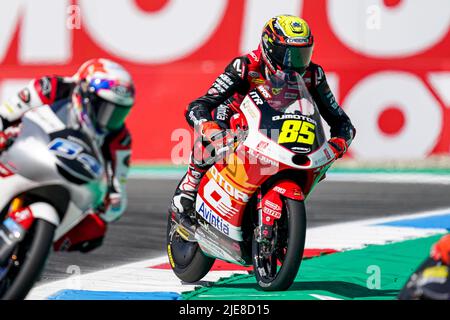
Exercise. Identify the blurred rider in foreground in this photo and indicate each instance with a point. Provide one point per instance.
(101, 91)
(431, 281)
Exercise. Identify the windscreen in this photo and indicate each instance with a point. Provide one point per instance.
(289, 114)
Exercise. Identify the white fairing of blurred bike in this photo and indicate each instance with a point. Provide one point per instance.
(47, 153)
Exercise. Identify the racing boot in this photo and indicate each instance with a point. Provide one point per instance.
(185, 194)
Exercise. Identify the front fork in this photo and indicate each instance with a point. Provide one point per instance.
(19, 220)
(263, 231)
(270, 207)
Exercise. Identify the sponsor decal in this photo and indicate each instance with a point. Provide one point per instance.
(46, 86)
(65, 148)
(272, 205)
(255, 97)
(222, 112)
(222, 84)
(213, 92)
(320, 161)
(264, 92)
(212, 218)
(24, 95)
(276, 91)
(262, 158)
(248, 107)
(237, 65)
(273, 213)
(327, 154)
(254, 56)
(5, 172)
(262, 145)
(71, 151)
(293, 116)
(258, 81)
(227, 79)
(301, 149)
(297, 40)
(169, 253)
(24, 217)
(91, 164)
(291, 96)
(225, 185)
(280, 190)
(254, 74)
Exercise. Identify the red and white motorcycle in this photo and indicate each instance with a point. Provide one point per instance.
(50, 177)
(250, 207)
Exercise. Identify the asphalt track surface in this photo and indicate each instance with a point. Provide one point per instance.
(140, 233)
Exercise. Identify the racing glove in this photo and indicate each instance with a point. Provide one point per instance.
(210, 131)
(441, 250)
(214, 138)
(339, 146)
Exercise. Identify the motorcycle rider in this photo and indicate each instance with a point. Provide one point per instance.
(431, 280)
(286, 44)
(104, 91)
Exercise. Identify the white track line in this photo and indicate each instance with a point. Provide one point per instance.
(390, 178)
(344, 177)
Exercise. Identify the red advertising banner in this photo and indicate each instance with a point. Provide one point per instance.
(388, 62)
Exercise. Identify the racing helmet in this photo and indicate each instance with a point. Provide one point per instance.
(106, 92)
(287, 43)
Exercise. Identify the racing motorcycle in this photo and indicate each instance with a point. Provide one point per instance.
(50, 177)
(250, 207)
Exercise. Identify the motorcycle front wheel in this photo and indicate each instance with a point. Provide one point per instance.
(20, 272)
(186, 258)
(276, 263)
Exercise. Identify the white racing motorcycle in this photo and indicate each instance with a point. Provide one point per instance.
(50, 177)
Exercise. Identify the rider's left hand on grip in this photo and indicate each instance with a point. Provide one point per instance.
(339, 146)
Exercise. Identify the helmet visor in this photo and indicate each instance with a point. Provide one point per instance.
(110, 116)
(292, 57)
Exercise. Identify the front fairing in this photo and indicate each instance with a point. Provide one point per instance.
(289, 114)
(284, 124)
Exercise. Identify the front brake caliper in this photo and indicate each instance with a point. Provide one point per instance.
(11, 233)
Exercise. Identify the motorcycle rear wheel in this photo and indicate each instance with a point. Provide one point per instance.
(31, 254)
(186, 258)
(269, 276)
